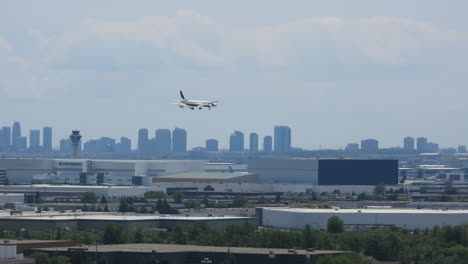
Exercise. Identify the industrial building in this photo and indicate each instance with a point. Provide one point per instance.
(325, 171)
(187, 254)
(355, 219)
(99, 221)
(86, 171)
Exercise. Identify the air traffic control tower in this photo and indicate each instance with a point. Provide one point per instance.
(75, 138)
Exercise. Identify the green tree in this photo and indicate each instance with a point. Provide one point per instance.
(340, 259)
(192, 203)
(59, 260)
(113, 234)
(103, 200)
(106, 209)
(154, 195)
(379, 190)
(308, 237)
(124, 206)
(40, 257)
(38, 198)
(423, 190)
(139, 236)
(362, 197)
(58, 233)
(179, 236)
(239, 201)
(89, 197)
(335, 225)
(178, 197)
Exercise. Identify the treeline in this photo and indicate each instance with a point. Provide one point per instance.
(438, 245)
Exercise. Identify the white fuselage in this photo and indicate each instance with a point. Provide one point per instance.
(198, 103)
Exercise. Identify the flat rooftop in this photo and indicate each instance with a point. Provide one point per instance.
(56, 216)
(204, 175)
(6, 241)
(171, 248)
(369, 210)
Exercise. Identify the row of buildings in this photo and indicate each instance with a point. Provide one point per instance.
(11, 139)
(166, 141)
(422, 145)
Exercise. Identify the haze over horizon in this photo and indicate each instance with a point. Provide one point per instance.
(336, 72)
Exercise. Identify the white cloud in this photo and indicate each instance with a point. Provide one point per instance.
(191, 40)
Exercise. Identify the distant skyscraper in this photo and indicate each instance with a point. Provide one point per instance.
(421, 144)
(267, 144)
(143, 141)
(21, 144)
(179, 140)
(163, 141)
(433, 147)
(65, 146)
(47, 139)
(6, 138)
(125, 145)
(236, 141)
(408, 143)
(34, 139)
(462, 149)
(211, 145)
(253, 142)
(352, 147)
(15, 133)
(282, 139)
(370, 144)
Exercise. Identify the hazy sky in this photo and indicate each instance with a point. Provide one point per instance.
(334, 71)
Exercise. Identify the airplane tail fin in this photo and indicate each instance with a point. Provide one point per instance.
(182, 95)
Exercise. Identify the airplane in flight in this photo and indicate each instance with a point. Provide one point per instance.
(192, 104)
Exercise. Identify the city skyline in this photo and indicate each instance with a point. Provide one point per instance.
(178, 139)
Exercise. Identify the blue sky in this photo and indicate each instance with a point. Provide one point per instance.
(334, 71)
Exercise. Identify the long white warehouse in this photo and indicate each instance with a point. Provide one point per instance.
(355, 219)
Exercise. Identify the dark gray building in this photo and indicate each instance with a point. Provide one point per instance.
(370, 144)
(211, 145)
(236, 141)
(1, 140)
(47, 139)
(282, 139)
(325, 171)
(21, 144)
(267, 144)
(143, 141)
(179, 140)
(65, 146)
(125, 145)
(6, 138)
(101, 145)
(253, 142)
(421, 144)
(408, 143)
(462, 149)
(163, 141)
(16, 132)
(352, 147)
(432, 147)
(34, 139)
